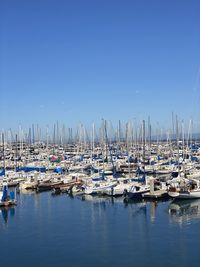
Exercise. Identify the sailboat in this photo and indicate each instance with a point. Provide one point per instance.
(7, 198)
(185, 189)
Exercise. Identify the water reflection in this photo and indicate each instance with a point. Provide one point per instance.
(7, 212)
(136, 207)
(102, 199)
(184, 211)
(153, 206)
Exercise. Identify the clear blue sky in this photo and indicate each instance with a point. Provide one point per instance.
(81, 61)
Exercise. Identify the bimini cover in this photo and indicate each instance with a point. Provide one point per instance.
(58, 170)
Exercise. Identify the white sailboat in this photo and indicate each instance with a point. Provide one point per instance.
(185, 189)
(119, 189)
(99, 186)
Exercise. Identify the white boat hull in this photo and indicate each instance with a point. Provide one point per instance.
(100, 189)
(185, 195)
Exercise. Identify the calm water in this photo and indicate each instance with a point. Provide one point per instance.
(46, 230)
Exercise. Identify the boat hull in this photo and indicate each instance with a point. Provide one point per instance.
(8, 203)
(136, 194)
(185, 195)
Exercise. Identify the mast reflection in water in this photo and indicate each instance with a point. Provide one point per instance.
(99, 231)
(6, 213)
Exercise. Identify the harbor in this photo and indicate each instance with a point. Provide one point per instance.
(98, 200)
(100, 133)
(130, 168)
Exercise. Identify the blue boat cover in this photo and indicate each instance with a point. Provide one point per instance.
(2, 172)
(5, 193)
(58, 170)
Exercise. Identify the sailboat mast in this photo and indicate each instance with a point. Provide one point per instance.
(3, 147)
(143, 137)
